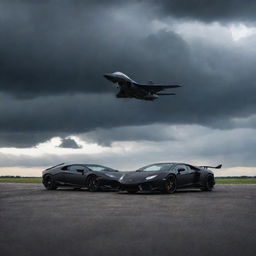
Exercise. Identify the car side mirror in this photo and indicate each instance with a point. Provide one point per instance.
(181, 170)
(80, 170)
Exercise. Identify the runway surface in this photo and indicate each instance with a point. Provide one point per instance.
(34, 221)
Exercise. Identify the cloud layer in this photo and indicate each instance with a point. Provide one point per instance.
(53, 55)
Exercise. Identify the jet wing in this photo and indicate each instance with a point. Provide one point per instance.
(156, 87)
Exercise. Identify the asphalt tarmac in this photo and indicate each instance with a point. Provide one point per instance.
(34, 222)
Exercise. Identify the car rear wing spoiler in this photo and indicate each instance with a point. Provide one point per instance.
(214, 167)
(54, 166)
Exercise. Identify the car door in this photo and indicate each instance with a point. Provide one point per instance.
(59, 176)
(75, 175)
(185, 175)
(191, 175)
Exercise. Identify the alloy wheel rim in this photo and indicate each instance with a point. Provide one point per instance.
(48, 182)
(210, 182)
(171, 185)
(92, 184)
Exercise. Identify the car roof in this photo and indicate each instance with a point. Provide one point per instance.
(79, 164)
(179, 163)
(67, 164)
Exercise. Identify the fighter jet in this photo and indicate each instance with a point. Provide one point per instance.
(131, 89)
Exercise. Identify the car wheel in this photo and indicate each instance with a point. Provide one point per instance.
(209, 184)
(170, 185)
(93, 184)
(49, 183)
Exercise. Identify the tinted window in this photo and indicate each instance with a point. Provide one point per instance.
(182, 166)
(156, 167)
(98, 168)
(75, 167)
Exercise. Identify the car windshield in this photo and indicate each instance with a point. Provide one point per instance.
(155, 168)
(99, 168)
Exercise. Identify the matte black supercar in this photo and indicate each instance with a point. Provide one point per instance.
(92, 176)
(167, 177)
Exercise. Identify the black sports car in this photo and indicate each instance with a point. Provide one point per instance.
(167, 177)
(92, 176)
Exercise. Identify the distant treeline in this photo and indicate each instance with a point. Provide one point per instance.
(236, 177)
(226, 177)
(10, 176)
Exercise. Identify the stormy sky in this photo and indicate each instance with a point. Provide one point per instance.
(55, 105)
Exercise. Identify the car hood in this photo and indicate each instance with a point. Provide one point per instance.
(112, 175)
(139, 177)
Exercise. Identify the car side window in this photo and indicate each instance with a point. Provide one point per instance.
(74, 168)
(190, 170)
(153, 168)
(187, 168)
(181, 166)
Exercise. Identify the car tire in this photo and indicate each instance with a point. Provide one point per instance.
(49, 183)
(92, 184)
(209, 184)
(170, 185)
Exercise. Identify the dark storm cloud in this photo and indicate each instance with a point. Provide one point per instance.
(24, 138)
(129, 133)
(69, 143)
(65, 115)
(53, 48)
(52, 58)
(47, 48)
(205, 147)
(208, 10)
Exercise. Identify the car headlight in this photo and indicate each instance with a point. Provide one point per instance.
(121, 178)
(151, 177)
(110, 175)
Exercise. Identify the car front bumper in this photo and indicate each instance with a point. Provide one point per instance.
(152, 185)
(110, 184)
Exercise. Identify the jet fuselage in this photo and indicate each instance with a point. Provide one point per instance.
(131, 89)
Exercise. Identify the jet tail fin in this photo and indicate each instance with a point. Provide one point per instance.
(214, 167)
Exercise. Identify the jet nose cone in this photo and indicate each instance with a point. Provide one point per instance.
(108, 76)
